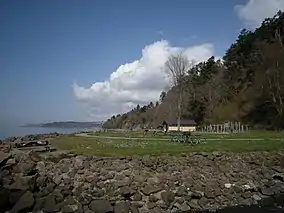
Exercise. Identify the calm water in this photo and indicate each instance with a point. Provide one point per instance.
(8, 131)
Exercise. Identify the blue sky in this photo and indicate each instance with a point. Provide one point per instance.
(47, 46)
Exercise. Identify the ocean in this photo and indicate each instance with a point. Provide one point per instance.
(9, 131)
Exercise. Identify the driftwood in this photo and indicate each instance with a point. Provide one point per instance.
(37, 146)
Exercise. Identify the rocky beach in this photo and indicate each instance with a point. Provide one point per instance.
(196, 182)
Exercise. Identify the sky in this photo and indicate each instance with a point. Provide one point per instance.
(87, 60)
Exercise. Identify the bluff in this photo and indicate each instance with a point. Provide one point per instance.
(247, 85)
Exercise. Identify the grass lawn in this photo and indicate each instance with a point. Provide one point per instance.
(251, 134)
(120, 147)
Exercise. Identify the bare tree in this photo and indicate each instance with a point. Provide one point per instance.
(176, 67)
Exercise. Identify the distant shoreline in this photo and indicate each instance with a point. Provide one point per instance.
(68, 125)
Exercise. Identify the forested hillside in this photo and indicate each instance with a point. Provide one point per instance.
(247, 85)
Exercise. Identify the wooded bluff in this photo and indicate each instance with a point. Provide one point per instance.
(246, 85)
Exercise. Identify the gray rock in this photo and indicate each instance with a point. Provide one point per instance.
(25, 203)
(4, 199)
(122, 207)
(134, 209)
(137, 197)
(101, 206)
(182, 191)
(196, 194)
(70, 208)
(184, 207)
(97, 192)
(38, 204)
(57, 179)
(137, 203)
(85, 198)
(14, 196)
(193, 204)
(168, 197)
(126, 191)
(87, 210)
(267, 191)
(156, 210)
(153, 198)
(26, 166)
(203, 201)
(278, 176)
(78, 163)
(70, 200)
(256, 197)
(23, 183)
(49, 204)
(4, 157)
(151, 205)
(149, 189)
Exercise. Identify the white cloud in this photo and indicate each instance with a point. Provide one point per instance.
(138, 82)
(255, 11)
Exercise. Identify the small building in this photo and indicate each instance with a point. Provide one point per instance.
(185, 125)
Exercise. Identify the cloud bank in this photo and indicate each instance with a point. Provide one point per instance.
(255, 11)
(137, 82)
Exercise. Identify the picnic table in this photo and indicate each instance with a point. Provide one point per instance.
(186, 137)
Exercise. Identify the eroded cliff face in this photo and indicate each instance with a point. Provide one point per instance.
(60, 182)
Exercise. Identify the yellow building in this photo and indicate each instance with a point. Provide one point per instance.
(185, 126)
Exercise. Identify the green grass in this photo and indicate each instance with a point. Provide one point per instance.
(251, 134)
(120, 147)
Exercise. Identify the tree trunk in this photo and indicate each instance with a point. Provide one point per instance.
(179, 102)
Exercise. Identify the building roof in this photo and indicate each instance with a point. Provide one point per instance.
(183, 122)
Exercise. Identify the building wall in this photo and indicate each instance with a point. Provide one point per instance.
(183, 128)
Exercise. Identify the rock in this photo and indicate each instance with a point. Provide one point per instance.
(23, 183)
(14, 196)
(156, 210)
(25, 203)
(126, 191)
(26, 166)
(85, 198)
(197, 194)
(58, 196)
(122, 207)
(11, 162)
(151, 205)
(38, 204)
(182, 191)
(70, 200)
(278, 176)
(101, 206)
(193, 204)
(70, 208)
(267, 191)
(237, 189)
(137, 197)
(49, 204)
(97, 192)
(87, 210)
(153, 198)
(134, 209)
(203, 201)
(78, 163)
(137, 203)
(149, 189)
(184, 207)
(168, 197)
(4, 157)
(256, 197)
(57, 179)
(4, 199)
